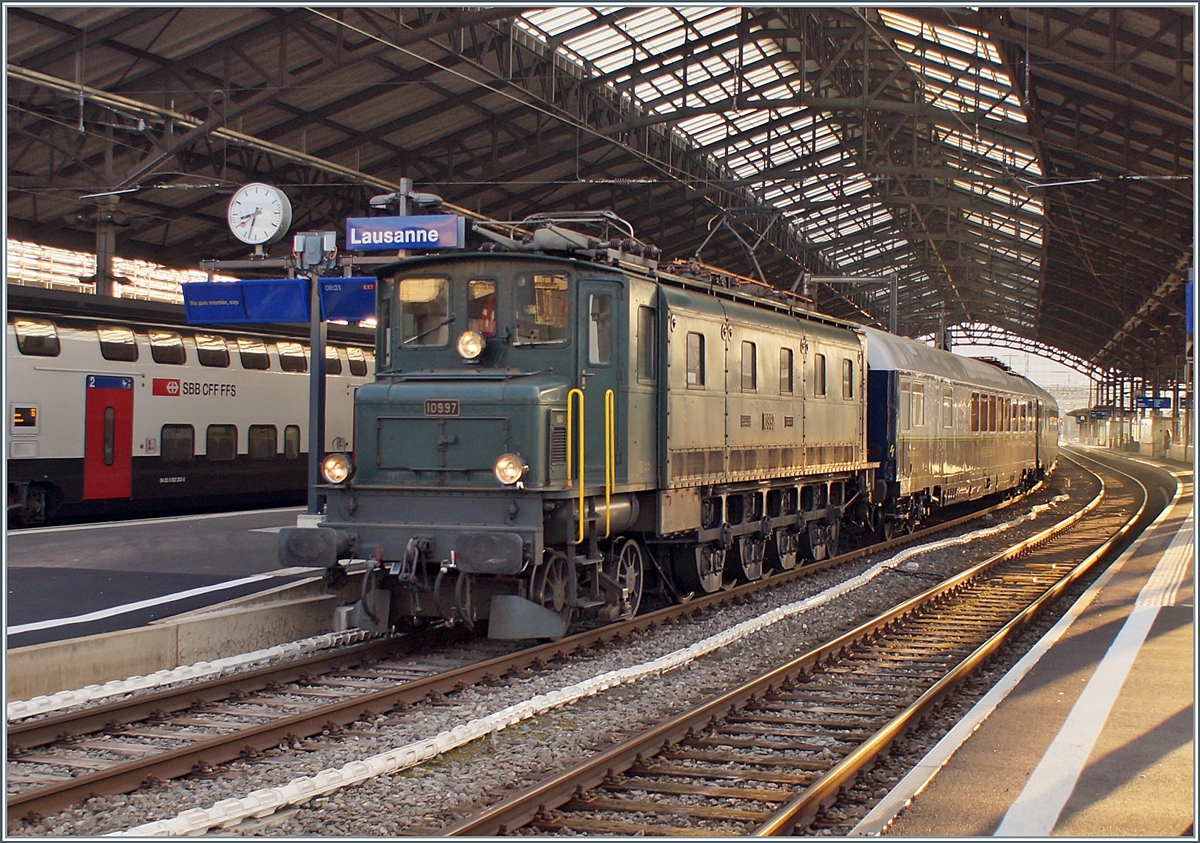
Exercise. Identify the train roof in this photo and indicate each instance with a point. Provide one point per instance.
(888, 352)
(71, 305)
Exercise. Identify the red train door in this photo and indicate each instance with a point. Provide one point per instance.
(108, 437)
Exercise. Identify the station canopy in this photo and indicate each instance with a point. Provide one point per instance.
(1022, 174)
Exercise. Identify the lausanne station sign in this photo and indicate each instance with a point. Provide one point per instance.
(436, 231)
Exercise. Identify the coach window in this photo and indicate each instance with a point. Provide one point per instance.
(918, 404)
(786, 378)
(118, 344)
(481, 307)
(847, 378)
(178, 442)
(253, 354)
(749, 367)
(647, 345)
(36, 337)
(291, 356)
(212, 351)
(600, 328)
(357, 360)
(167, 347)
(222, 442)
(695, 359)
(947, 406)
(291, 441)
(905, 403)
(424, 312)
(540, 302)
(974, 412)
(991, 414)
(819, 374)
(333, 363)
(261, 441)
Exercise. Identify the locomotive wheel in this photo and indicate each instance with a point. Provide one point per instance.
(626, 567)
(751, 551)
(888, 529)
(787, 545)
(820, 540)
(699, 570)
(551, 586)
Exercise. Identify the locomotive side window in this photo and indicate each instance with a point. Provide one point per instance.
(695, 359)
(647, 345)
(253, 354)
(358, 361)
(261, 441)
(178, 442)
(481, 307)
(541, 308)
(291, 356)
(819, 374)
(333, 363)
(212, 351)
(749, 367)
(786, 378)
(117, 343)
(424, 312)
(36, 337)
(600, 328)
(222, 442)
(167, 347)
(291, 441)
(847, 378)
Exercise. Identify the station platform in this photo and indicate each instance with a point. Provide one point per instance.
(74, 581)
(1092, 734)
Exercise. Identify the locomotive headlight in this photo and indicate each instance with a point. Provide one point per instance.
(509, 469)
(470, 345)
(337, 468)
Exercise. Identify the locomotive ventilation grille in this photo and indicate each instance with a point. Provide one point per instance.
(558, 446)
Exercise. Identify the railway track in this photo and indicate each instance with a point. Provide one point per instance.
(57, 761)
(767, 757)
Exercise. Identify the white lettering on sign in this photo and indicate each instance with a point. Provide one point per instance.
(403, 237)
(172, 479)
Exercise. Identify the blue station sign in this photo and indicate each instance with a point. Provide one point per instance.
(1148, 403)
(379, 234)
(271, 300)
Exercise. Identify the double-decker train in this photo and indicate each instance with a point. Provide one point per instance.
(557, 420)
(118, 406)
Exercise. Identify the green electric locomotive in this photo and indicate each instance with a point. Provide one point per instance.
(558, 422)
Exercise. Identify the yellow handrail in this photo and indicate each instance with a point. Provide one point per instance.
(570, 405)
(610, 458)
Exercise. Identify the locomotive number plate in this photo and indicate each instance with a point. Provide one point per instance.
(444, 407)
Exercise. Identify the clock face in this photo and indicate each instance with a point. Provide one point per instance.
(259, 214)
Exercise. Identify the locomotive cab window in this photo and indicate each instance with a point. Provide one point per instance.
(167, 347)
(600, 328)
(212, 351)
(786, 378)
(749, 367)
(291, 356)
(117, 343)
(647, 345)
(36, 337)
(424, 312)
(540, 302)
(253, 354)
(481, 307)
(695, 360)
(819, 375)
